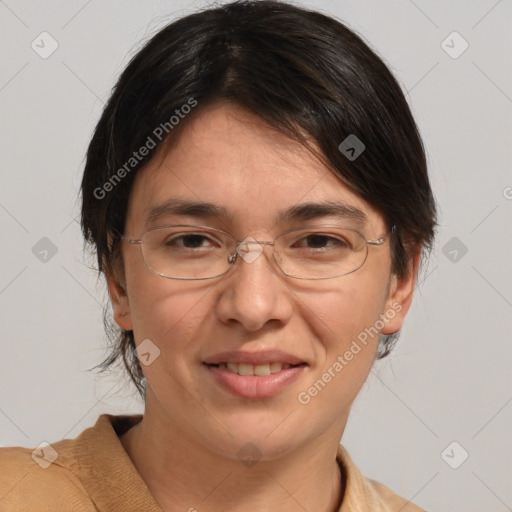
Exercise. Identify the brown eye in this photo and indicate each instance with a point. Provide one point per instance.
(189, 241)
(321, 241)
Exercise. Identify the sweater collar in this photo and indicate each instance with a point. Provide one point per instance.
(107, 470)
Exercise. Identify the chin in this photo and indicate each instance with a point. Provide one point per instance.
(262, 438)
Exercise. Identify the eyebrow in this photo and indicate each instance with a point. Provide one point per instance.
(300, 212)
(188, 208)
(312, 211)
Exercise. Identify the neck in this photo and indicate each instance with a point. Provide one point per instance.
(181, 474)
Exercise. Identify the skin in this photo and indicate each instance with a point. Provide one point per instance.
(185, 448)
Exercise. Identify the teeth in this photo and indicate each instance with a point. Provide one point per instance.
(262, 369)
(258, 369)
(245, 369)
(276, 367)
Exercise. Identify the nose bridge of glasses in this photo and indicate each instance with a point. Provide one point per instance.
(248, 249)
(252, 241)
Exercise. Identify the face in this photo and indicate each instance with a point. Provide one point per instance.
(253, 314)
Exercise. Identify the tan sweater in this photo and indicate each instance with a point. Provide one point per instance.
(94, 473)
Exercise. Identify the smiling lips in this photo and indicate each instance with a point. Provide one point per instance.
(255, 375)
(258, 369)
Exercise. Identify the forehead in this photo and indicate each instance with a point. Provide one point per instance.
(231, 158)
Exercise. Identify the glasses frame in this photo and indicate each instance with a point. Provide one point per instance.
(232, 258)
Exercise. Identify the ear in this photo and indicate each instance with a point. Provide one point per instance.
(120, 303)
(401, 290)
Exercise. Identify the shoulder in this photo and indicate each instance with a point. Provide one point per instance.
(71, 474)
(41, 479)
(362, 493)
(84, 474)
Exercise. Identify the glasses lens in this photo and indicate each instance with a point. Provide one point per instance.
(187, 252)
(320, 252)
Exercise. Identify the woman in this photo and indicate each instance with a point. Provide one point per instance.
(257, 195)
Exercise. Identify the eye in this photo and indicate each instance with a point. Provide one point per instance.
(321, 241)
(189, 241)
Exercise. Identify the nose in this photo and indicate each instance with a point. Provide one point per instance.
(254, 293)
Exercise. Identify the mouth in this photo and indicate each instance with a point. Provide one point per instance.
(257, 379)
(260, 370)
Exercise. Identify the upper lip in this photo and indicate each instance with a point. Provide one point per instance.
(254, 358)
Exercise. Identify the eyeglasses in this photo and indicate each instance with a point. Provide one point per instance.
(199, 252)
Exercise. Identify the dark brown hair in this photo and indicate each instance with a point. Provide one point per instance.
(301, 71)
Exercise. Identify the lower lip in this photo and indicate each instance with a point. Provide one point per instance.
(252, 386)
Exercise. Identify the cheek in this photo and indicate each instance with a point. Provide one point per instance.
(347, 322)
(165, 309)
(171, 314)
(343, 310)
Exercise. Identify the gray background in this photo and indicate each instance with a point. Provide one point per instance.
(448, 380)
